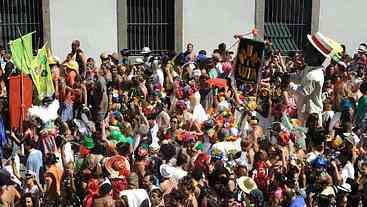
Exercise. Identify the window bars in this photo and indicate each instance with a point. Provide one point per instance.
(150, 24)
(23, 14)
(292, 15)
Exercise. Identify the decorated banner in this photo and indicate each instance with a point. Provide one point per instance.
(41, 74)
(21, 50)
(248, 60)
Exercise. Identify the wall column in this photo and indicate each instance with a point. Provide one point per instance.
(315, 16)
(121, 24)
(179, 25)
(46, 22)
(260, 18)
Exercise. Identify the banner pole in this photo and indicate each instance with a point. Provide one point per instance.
(22, 106)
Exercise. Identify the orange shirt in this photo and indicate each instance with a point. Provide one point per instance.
(71, 78)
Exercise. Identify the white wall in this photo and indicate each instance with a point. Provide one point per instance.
(93, 22)
(344, 21)
(204, 22)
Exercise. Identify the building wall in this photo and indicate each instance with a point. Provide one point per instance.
(206, 23)
(90, 21)
(344, 22)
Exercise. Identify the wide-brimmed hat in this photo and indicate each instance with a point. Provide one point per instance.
(117, 166)
(246, 184)
(145, 50)
(345, 187)
(327, 47)
(72, 64)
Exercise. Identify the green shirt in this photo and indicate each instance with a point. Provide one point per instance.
(361, 109)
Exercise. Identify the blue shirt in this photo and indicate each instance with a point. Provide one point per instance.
(34, 162)
(298, 202)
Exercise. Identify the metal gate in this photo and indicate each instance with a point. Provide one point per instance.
(150, 24)
(23, 14)
(292, 15)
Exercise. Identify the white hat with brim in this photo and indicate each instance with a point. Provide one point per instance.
(167, 171)
(362, 48)
(196, 73)
(327, 47)
(328, 191)
(246, 184)
(345, 187)
(138, 61)
(145, 50)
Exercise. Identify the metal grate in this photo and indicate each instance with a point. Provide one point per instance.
(150, 24)
(281, 37)
(23, 14)
(294, 14)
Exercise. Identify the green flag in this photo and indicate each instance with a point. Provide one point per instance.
(21, 50)
(41, 74)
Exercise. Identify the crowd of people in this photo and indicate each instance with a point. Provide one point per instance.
(179, 130)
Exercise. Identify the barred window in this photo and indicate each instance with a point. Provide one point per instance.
(23, 14)
(287, 23)
(150, 24)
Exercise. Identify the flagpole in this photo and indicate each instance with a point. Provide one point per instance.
(22, 106)
(21, 90)
(253, 32)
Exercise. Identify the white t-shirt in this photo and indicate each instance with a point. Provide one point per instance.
(348, 171)
(68, 153)
(160, 76)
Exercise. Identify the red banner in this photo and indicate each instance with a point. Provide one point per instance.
(20, 99)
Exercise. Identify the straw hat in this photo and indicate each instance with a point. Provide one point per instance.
(72, 64)
(117, 166)
(246, 184)
(328, 191)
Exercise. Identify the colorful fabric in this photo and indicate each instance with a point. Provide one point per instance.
(41, 74)
(22, 54)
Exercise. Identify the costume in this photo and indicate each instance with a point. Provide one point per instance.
(318, 53)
